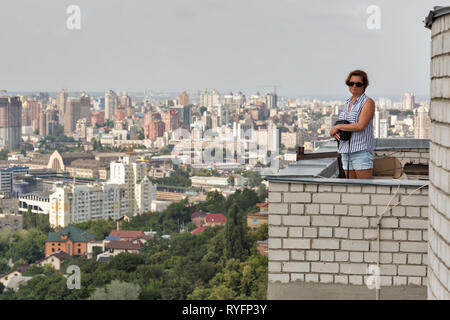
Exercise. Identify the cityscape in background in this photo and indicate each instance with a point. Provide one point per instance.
(95, 129)
(110, 146)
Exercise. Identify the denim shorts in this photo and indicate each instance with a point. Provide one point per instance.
(361, 160)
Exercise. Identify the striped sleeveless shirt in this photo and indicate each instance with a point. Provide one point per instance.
(360, 140)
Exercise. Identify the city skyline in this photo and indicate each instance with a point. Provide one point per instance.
(137, 46)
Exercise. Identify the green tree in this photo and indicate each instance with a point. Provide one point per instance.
(151, 291)
(4, 154)
(254, 178)
(4, 268)
(27, 219)
(222, 292)
(235, 235)
(262, 192)
(117, 290)
(100, 228)
(215, 202)
(27, 245)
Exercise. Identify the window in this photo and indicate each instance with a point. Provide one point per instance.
(53, 243)
(79, 251)
(79, 244)
(53, 249)
(255, 221)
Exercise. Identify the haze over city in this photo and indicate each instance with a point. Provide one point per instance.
(305, 48)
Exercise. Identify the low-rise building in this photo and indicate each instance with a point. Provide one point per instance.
(11, 222)
(263, 207)
(55, 260)
(198, 230)
(215, 219)
(88, 168)
(9, 204)
(14, 278)
(115, 247)
(71, 240)
(263, 248)
(127, 235)
(198, 218)
(257, 219)
(209, 183)
(38, 202)
(159, 205)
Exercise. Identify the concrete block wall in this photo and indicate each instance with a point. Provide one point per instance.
(439, 229)
(326, 233)
(407, 155)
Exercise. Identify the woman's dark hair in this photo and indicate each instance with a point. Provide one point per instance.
(360, 73)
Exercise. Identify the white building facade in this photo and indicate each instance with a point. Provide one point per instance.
(128, 192)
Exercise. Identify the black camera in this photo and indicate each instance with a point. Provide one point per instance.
(344, 135)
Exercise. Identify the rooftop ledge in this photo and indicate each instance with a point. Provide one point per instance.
(322, 167)
(375, 182)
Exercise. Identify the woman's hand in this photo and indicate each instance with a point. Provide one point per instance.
(334, 132)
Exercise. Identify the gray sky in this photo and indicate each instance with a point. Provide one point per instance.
(304, 47)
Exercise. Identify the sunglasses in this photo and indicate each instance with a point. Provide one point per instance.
(358, 84)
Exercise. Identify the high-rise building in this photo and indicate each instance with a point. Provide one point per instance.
(42, 97)
(128, 192)
(383, 128)
(271, 100)
(224, 114)
(376, 123)
(111, 103)
(209, 99)
(30, 114)
(156, 129)
(206, 120)
(10, 122)
(171, 119)
(71, 115)
(408, 101)
(133, 176)
(394, 119)
(184, 114)
(8, 175)
(421, 123)
(125, 101)
(73, 204)
(183, 99)
(228, 99)
(61, 102)
(85, 107)
(43, 123)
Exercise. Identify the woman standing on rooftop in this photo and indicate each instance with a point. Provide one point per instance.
(358, 110)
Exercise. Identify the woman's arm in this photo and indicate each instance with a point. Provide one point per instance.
(365, 117)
